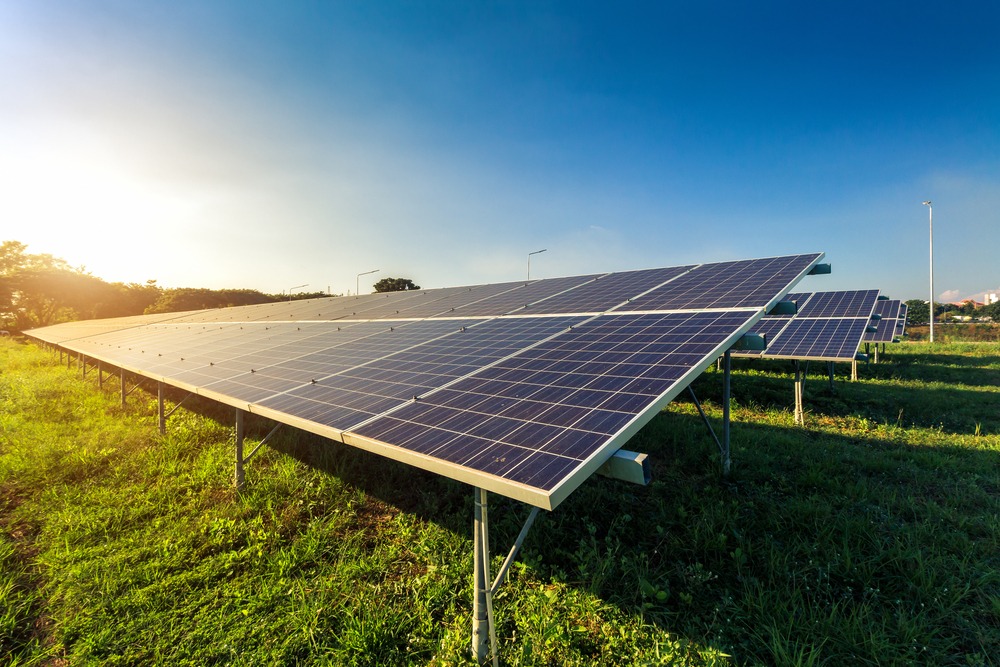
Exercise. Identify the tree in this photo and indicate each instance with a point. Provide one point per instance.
(395, 285)
(916, 312)
(991, 311)
(38, 290)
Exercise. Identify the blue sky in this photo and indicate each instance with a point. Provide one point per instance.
(274, 144)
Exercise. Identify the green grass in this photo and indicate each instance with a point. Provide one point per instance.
(870, 537)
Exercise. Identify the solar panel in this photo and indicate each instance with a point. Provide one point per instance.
(749, 283)
(524, 389)
(829, 326)
(886, 328)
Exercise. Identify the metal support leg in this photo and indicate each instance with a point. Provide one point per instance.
(854, 370)
(799, 382)
(482, 599)
(100, 376)
(83, 364)
(124, 390)
(830, 370)
(704, 418)
(240, 435)
(876, 353)
(726, 383)
(160, 414)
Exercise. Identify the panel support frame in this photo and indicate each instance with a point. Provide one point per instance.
(165, 414)
(484, 637)
(239, 474)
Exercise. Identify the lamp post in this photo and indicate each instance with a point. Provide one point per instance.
(296, 287)
(357, 281)
(930, 220)
(529, 260)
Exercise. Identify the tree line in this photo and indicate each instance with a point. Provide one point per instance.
(917, 311)
(37, 290)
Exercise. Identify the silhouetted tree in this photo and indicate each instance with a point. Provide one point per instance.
(395, 285)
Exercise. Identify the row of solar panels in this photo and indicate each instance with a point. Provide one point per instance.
(829, 326)
(519, 388)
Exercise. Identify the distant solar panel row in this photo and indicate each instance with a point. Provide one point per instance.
(520, 388)
(828, 326)
(892, 322)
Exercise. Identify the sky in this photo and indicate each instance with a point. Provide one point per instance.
(275, 145)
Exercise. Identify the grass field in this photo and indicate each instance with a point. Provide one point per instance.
(869, 537)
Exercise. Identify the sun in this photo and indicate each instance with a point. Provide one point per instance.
(80, 202)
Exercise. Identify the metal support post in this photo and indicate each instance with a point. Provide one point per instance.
(240, 435)
(799, 381)
(124, 391)
(482, 599)
(83, 364)
(726, 383)
(876, 353)
(159, 410)
(830, 370)
(100, 376)
(854, 370)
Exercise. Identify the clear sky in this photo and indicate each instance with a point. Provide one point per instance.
(273, 144)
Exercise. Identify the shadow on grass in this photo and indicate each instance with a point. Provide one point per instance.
(951, 407)
(829, 540)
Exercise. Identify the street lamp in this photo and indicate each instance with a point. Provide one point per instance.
(296, 287)
(930, 220)
(357, 281)
(529, 260)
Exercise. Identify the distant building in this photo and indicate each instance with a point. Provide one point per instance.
(991, 297)
(965, 302)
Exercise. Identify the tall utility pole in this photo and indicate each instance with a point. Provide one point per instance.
(930, 217)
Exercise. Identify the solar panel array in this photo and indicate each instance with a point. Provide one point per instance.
(524, 389)
(829, 326)
(892, 324)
